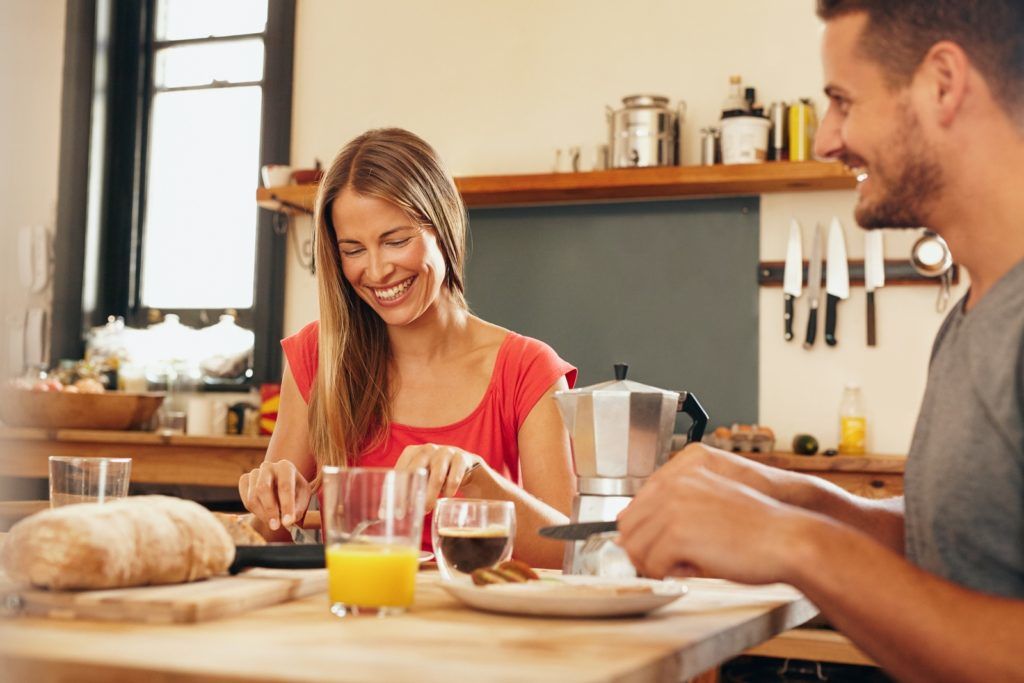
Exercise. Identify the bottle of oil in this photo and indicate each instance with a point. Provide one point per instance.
(852, 422)
(803, 125)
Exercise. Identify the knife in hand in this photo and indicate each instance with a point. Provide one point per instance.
(813, 288)
(793, 276)
(577, 532)
(837, 278)
(874, 275)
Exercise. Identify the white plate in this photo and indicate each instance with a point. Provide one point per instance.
(425, 556)
(569, 596)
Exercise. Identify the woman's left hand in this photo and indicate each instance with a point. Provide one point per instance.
(446, 466)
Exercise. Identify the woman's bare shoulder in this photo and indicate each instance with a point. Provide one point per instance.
(487, 335)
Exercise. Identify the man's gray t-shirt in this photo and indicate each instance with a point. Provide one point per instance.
(965, 474)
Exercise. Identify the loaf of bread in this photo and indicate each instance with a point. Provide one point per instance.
(137, 541)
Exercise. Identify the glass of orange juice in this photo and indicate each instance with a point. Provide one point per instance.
(374, 522)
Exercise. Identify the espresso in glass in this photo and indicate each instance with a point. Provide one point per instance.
(467, 550)
(471, 534)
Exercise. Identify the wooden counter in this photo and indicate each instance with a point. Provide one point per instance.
(156, 459)
(438, 640)
(871, 476)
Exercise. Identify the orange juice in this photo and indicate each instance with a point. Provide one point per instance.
(371, 575)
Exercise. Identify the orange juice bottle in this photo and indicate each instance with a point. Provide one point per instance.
(852, 422)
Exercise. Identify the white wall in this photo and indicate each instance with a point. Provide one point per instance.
(31, 69)
(497, 86)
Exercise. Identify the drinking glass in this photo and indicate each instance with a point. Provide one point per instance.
(87, 480)
(374, 522)
(470, 534)
(172, 422)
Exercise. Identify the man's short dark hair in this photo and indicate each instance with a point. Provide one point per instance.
(900, 32)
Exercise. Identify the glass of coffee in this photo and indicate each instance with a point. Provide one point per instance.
(470, 534)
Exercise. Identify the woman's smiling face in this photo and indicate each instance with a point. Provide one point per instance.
(392, 262)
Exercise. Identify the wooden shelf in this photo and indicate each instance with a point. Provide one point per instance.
(812, 644)
(670, 182)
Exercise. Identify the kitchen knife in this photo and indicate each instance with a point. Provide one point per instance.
(874, 275)
(278, 556)
(837, 278)
(793, 277)
(577, 532)
(813, 288)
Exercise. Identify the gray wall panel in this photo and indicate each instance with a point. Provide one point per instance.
(668, 287)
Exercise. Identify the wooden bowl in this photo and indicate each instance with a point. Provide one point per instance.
(58, 410)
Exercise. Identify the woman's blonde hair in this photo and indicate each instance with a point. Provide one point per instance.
(350, 403)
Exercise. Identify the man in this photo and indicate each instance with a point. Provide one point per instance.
(927, 104)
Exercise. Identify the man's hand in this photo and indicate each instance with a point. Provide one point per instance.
(691, 520)
(770, 481)
(447, 467)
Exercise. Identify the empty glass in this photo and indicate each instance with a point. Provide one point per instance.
(374, 522)
(470, 534)
(88, 480)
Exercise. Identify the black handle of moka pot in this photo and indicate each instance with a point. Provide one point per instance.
(692, 407)
(620, 371)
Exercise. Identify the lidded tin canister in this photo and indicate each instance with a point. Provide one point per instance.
(644, 132)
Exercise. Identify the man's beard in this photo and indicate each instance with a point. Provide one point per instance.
(908, 191)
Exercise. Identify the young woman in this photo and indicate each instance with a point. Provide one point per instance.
(398, 372)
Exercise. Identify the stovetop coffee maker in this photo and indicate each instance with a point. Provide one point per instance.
(621, 432)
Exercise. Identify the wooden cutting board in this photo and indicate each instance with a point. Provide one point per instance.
(214, 598)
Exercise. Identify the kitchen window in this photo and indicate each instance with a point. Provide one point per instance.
(181, 103)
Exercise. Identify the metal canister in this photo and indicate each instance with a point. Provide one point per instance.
(803, 124)
(709, 146)
(644, 131)
(778, 143)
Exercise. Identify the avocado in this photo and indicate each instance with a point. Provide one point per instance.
(805, 444)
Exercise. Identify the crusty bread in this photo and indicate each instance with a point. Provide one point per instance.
(136, 541)
(240, 528)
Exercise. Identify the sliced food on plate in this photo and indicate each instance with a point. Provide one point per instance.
(509, 588)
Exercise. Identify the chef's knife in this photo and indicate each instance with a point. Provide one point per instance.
(874, 275)
(577, 532)
(813, 288)
(793, 277)
(837, 278)
(278, 556)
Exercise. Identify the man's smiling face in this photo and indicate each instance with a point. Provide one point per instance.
(872, 127)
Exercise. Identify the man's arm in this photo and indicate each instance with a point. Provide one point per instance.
(918, 626)
(880, 519)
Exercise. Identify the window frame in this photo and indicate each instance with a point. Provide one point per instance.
(117, 36)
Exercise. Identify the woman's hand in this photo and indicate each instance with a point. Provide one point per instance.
(446, 466)
(276, 492)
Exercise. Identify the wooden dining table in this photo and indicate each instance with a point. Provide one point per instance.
(438, 639)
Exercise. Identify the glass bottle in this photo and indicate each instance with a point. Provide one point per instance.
(852, 422)
(734, 104)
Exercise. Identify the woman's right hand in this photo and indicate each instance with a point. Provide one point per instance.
(276, 493)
